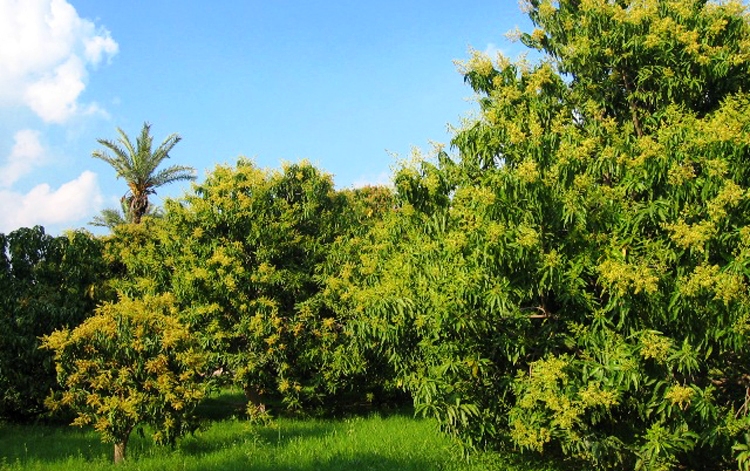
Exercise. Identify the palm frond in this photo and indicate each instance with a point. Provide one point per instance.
(162, 152)
(119, 161)
(129, 152)
(109, 218)
(172, 174)
(137, 166)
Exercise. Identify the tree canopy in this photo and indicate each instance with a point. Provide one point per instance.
(131, 364)
(46, 283)
(242, 254)
(575, 280)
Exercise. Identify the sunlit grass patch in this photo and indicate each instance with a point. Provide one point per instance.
(376, 442)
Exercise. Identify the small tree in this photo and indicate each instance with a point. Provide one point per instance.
(132, 363)
(250, 242)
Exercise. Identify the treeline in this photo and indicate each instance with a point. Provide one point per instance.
(47, 283)
(225, 287)
(571, 281)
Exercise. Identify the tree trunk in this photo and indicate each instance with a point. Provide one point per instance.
(120, 451)
(253, 395)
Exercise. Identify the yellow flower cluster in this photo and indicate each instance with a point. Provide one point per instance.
(680, 396)
(691, 236)
(594, 396)
(655, 346)
(527, 236)
(726, 287)
(680, 173)
(729, 196)
(622, 277)
(532, 438)
(480, 63)
(527, 171)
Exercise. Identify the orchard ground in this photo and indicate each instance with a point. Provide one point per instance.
(391, 440)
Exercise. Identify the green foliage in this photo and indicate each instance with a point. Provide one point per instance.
(573, 284)
(253, 239)
(111, 218)
(576, 281)
(132, 363)
(421, 289)
(47, 283)
(240, 254)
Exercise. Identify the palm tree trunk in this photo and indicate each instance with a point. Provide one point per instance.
(138, 207)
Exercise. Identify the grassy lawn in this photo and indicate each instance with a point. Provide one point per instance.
(373, 442)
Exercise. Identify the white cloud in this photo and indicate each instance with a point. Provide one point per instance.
(27, 153)
(53, 97)
(492, 51)
(46, 50)
(382, 179)
(71, 202)
(98, 47)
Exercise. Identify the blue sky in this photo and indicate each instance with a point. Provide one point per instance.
(344, 84)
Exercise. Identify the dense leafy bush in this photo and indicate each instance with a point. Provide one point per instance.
(240, 254)
(47, 283)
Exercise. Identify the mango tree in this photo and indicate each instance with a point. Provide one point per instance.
(133, 363)
(574, 282)
(241, 254)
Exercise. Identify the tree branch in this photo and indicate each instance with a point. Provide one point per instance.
(631, 104)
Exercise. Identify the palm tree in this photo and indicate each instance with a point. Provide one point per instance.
(137, 166)
(111, 218)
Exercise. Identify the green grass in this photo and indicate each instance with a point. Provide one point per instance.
(376, 442)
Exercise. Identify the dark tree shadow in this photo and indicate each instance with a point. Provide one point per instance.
(49, 443)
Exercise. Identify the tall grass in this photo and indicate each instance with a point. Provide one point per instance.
(376, 442)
